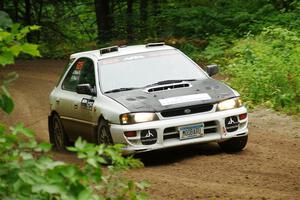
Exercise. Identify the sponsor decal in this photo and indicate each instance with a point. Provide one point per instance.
(231, 121)
(148, 136)
(184, 99)
(87, 104)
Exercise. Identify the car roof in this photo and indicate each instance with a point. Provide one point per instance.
(123, 50)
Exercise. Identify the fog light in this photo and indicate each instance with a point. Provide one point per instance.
(243, 116)
(130, 133)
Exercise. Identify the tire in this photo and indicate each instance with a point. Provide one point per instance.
(59, 137)
(103, 135)
(234, 144)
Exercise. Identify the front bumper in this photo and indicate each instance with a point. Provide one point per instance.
(214, 124)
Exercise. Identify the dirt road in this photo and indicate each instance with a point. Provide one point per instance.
(269, 168)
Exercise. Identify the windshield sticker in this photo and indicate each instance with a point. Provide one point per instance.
(184, 99)
(137, 56)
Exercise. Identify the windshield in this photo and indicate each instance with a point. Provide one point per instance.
(142, 69)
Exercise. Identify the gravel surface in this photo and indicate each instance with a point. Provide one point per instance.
(269, 167)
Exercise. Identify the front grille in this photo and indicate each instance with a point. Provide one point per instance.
(172, 132)
(187, 110)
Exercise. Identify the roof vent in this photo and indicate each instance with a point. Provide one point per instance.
(108, 50)
(155, 44)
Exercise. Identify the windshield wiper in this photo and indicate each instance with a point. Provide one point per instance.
(169, 82)
(120, 90)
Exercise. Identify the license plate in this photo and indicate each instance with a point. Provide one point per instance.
(191, 131)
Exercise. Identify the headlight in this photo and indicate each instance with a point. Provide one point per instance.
(132, 118)
(230, 104)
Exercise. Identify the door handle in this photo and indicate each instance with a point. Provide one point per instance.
(57, 101)
(75, 106)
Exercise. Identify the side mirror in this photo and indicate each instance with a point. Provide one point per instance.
(212, 69)
(85, 89)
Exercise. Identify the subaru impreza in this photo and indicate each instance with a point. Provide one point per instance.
(146, 97)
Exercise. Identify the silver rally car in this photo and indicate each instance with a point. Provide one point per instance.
(147, 97)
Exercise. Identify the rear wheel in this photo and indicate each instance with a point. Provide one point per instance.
(103, 135)
(234, 144)
(60, 138)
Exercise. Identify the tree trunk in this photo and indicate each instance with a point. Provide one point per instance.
(16, 8)
(104, 20)
(27, 18)
(283, 4)
(129, 20)
(143, 18)
(39, 17)
(155, 13)
(27, 12)
(1, 4)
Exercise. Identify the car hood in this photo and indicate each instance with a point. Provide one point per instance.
(198, 92)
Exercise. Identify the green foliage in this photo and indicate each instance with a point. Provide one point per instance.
(71, 26)
(265, 69)
(6, 102)
(5, 20)
(26, 172)
(12, 43)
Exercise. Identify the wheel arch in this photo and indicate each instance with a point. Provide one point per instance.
(100, 118)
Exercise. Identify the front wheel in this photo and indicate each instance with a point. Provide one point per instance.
(60, 138)
(234, 144)
(103, 135)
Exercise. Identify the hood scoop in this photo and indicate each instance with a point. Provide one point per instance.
(168, 87)
(174, 98)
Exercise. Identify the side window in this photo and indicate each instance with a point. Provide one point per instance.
(82, 72)
(65, 69)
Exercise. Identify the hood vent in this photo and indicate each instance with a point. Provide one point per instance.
(168, 87)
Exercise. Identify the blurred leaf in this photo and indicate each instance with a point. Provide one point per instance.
(85, 194)
(16, 49)
(4, 36)
(93, 162)
(6, 102)
(5, 20)
(6, 57)
(31, 49)
(26, 156)
(19, 128)
(44, 146)
(50, 188)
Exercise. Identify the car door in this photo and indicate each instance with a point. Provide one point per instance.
(84, 104)
(76, 109)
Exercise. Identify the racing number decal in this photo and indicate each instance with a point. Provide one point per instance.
(87, 104)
